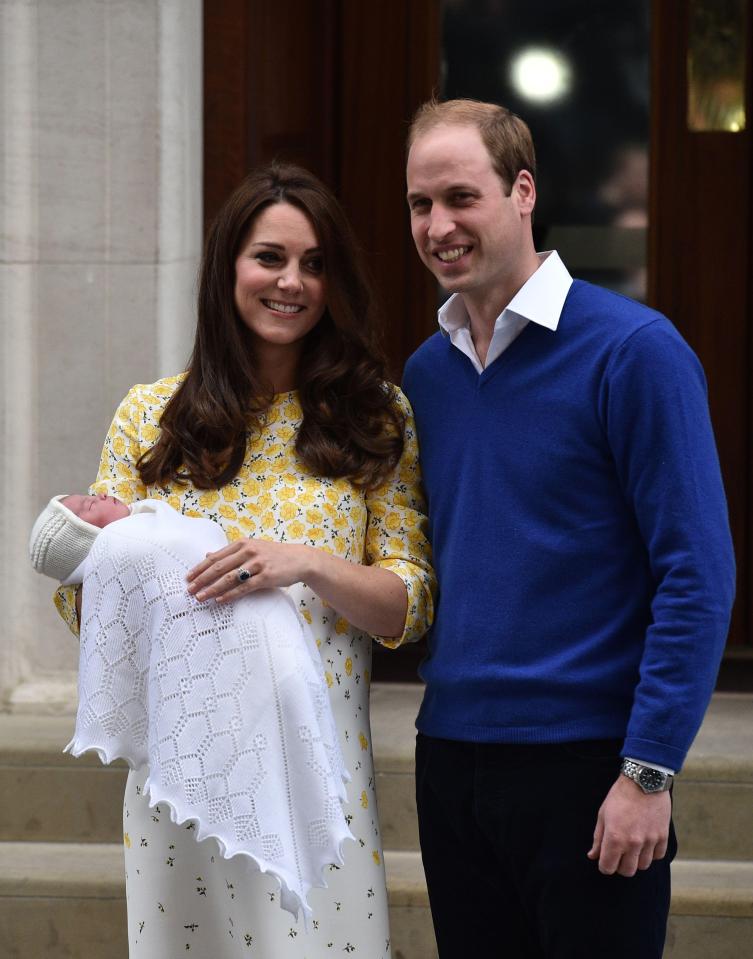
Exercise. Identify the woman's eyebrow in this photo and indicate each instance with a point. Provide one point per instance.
(280, 246)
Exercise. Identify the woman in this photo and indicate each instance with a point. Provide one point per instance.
(284, 431)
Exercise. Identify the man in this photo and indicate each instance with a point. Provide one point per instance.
(585, 570)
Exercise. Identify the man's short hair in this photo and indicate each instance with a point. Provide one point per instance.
(505, 135)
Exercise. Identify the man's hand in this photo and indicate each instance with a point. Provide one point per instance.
(632, 829)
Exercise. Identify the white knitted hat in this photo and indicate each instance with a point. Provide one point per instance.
(60, 540)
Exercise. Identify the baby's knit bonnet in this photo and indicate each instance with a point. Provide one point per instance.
(60, 540)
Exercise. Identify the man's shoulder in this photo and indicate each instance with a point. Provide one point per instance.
(617, 314)
(429, 349)
(424, 365)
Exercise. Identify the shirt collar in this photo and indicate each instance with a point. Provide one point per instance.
(540, 299)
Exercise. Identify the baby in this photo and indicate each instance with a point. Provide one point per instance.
(222, 702)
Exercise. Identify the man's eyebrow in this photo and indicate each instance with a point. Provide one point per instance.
(450, 188)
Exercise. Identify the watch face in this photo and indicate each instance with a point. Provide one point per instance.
(651, 779)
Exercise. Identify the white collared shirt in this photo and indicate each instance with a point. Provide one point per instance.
(539, 300)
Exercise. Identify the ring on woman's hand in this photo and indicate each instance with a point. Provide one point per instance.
(243, 574)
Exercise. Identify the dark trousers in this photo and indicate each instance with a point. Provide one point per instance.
(504, 834)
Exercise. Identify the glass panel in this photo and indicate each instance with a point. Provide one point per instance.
(716, 66)
(577, 71)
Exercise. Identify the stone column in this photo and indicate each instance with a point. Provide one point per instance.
(100, 236)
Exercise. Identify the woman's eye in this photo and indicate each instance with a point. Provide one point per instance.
(267, 258)
(316, 265)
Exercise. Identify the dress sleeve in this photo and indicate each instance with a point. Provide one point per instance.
(397, 534)
(117, 476)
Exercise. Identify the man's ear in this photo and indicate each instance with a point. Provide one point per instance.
(524, 190)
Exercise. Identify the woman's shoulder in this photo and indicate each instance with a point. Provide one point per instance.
(153, 395)
(399, 399)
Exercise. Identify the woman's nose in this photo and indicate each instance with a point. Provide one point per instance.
(290, 281)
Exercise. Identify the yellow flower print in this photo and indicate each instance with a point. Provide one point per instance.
(376, 857)
(228, 512)
(149, 432)
(118, 446)
(273, 449)
(333, 496)
(328, 677)
(208, 498)
(265, 501)
(364, 800)
(288, 510)
(394, 543)
(193, 512)
(348, 666)
(296, 529)
(233, 533)
(252, 487)
(366, 676)
(392, 522)
(123, 471)
(230, 494)
(363, 741)
(268, 520)
(306, 499)
(287, 492)
(314, 533)
(123, 491)
(286, 433)
(290, 478)
(247, 524)
(268, 482)
(134, 451)
(174, 501)
(341, 626)
(307, 616)
(314, 516)
(377, 509)
(127, 840)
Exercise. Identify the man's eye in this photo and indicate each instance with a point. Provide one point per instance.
(419, 204)
(462, 197)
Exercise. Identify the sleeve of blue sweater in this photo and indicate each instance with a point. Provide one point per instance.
(655, 412)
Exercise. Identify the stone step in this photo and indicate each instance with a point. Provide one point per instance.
(47, 796)
(67, 900)
(713, 797)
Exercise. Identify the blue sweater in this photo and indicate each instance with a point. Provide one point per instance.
(580, 534)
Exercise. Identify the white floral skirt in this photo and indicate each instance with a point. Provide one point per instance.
(183, 896)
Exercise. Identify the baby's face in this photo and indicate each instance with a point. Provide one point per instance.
(98, 510)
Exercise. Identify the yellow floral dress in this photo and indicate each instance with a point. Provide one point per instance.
(182, 895)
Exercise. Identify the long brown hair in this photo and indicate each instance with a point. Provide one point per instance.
(351, 427)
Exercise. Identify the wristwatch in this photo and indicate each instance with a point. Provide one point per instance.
(649, 779)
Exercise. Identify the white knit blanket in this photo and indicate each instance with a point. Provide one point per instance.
(227, 704)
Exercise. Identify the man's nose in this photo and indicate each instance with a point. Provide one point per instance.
(441, 224)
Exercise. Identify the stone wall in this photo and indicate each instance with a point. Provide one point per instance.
(100, 234)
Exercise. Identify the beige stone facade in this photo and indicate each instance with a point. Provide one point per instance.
(100, 235)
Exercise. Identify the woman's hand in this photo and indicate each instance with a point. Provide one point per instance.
(270, 564)
(370, 598)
